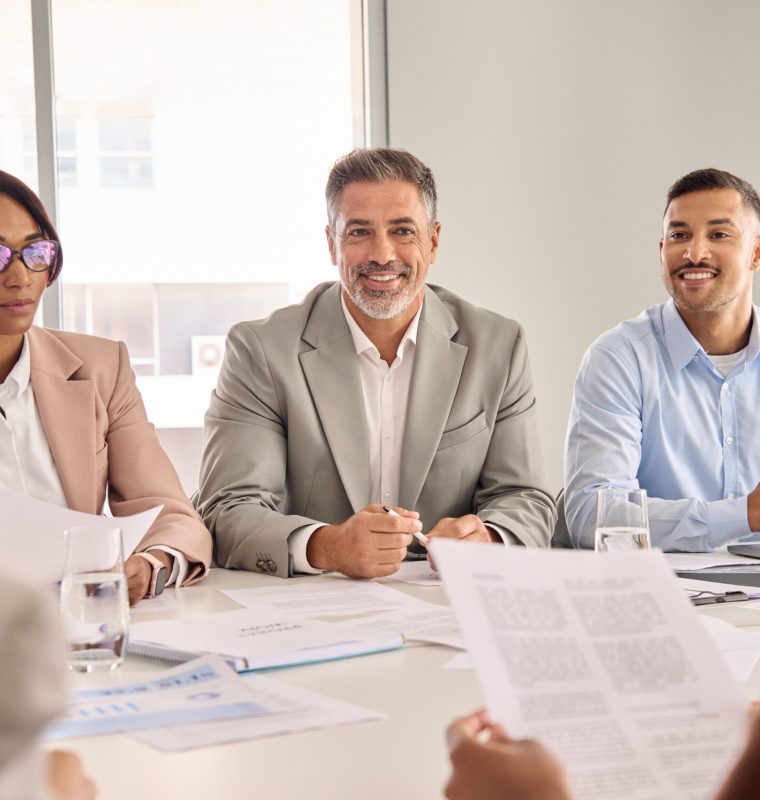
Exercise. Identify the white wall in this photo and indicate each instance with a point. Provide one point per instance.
(554, 128)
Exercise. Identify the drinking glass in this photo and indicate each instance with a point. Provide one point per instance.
(621, 520)
(94, 604)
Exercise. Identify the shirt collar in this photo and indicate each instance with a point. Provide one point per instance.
(18, 378)
(681, 344)
(362, 342)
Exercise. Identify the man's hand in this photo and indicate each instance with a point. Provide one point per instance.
(753, 509)
(370, 544)
(469, 528)
(499, 768)
(65, 778)
(139, 573)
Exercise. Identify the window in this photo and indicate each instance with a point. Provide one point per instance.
(125, 152)
(191, 174)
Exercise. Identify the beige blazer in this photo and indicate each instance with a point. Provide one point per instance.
(101, 440)
(285, 441)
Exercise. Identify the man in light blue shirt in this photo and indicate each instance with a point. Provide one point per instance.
(670, 401)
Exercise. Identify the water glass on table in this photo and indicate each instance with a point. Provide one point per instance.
(621, 520)
(94, 602)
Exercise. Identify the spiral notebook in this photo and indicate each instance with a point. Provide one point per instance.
(249, 640)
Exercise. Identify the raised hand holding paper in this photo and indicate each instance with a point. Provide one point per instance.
(604, 661)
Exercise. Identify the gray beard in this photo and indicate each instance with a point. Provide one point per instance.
(382, 304)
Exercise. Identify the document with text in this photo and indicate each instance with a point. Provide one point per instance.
(603, 659)
(383, 610)
(284, 709)
(251, 640)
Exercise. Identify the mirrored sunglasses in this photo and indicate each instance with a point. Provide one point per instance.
(36, 256)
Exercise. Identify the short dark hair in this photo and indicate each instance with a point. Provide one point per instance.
(381, 165)
(703, 179)
(26, 198)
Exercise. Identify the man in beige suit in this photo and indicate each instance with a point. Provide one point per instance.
(377, 392)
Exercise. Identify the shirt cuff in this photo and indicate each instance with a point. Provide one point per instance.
(505, 536)
(297, 542)
(727, 520)
(179, 565)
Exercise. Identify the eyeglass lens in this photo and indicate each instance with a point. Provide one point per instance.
(37, 256)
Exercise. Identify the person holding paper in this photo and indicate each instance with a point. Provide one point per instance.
(667, 401)
(72, 423)
(489, 765)
(377, 390)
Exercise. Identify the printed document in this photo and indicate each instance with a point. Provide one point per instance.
(250, 639)
(322, 598)
(602, 658)
(31, 534)
(419, 573)
(285, 709)
(204, 689)
(391, 610)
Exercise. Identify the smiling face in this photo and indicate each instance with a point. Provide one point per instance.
(709, 250)
(383, 246)
(20, 289)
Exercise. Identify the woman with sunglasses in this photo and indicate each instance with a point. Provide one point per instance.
(72, 423)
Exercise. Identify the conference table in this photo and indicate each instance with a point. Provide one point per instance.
(403, 756)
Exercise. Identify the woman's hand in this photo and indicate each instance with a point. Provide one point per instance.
(488, 765)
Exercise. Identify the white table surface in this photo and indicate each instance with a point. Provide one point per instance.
(403, 756)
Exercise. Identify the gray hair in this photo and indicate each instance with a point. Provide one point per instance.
(381, 165)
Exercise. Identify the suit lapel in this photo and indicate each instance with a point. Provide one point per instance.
(67, 412)
(438, 364)
(335, 384)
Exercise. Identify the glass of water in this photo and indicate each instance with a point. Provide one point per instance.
(621, 520)
(94, 604)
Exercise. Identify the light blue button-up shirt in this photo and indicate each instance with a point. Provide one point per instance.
(651, 411)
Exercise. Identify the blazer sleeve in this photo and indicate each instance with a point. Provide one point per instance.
(244, 464)
(141, 476)
(513, 490)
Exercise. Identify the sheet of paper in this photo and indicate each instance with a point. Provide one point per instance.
(339, 597)
(683, 562)
(160, 604)
(257, 639)
(602, 658)
(418, 573)
(459, 661)
(204, 689)
(418, 622)
(286, 709)
(31, 534)
(391, 611)
(739, 649)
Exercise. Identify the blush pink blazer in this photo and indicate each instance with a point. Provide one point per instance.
(101, 440)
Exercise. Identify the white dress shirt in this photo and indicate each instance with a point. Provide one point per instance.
(386, 393)
(26, 462)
